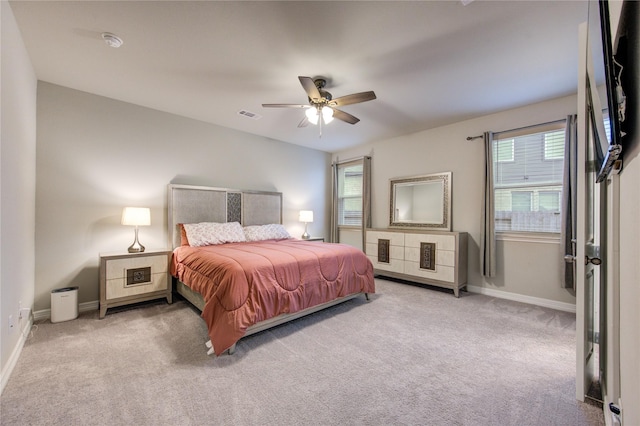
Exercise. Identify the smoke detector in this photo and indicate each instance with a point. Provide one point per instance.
(112, 40)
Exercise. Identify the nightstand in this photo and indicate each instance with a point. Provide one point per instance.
(321, 239)
(127, 278)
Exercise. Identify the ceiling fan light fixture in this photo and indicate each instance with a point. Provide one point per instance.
(312, 115)
(327, 114)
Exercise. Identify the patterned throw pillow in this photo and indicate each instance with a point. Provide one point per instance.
(210, 233)
(273, 231)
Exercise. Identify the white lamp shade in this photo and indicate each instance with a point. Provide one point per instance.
(327, 114)
(136, 216)
(312, 115)
(306, 216)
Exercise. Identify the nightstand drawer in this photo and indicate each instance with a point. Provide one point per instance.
(117, 268)
(119, 287)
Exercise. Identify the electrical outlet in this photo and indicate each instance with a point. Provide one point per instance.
(24, 313)
(11, 324)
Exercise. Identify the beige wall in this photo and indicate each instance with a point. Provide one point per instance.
(531, 270)
(96, 155)
(17, 190)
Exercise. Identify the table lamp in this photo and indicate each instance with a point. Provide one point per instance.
(306, 216)
(136, 216)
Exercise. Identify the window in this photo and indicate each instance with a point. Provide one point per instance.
(350, 193)
(504, 150)
(549, 200)
(554, 145)
(528, 168)
(521, 201)
(607, 124)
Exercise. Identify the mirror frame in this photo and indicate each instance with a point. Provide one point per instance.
(445, 178)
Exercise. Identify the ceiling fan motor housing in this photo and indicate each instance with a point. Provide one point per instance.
(320, 83)
(325, 96)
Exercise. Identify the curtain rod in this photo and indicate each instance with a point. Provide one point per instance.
(339, 161)
(533, 125)
(470, 138)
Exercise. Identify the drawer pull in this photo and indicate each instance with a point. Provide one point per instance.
(136, 276)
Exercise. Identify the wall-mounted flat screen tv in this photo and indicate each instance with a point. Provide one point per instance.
(606, 116)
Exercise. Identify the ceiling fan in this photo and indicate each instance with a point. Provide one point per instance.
(322, 107)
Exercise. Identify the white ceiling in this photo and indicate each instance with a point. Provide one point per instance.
(430, 63)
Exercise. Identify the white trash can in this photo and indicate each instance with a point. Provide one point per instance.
(64, 304)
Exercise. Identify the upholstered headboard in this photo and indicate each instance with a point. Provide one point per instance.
(193, 204)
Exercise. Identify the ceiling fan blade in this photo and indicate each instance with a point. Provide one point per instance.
(353, 99)
(346, 117)
(304, 122)
(284, 106)
(310, 87)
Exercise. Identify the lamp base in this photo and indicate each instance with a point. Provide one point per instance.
(136, 247)
(306, 235)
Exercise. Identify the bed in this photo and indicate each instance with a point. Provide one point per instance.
(234, 261)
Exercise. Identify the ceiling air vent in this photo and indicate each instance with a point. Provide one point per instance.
(249, 114)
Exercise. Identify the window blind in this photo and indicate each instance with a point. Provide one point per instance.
(528, 168)
(350, 193)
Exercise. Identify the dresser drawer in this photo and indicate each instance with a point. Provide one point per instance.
(443, 257)
(442, 242)
(394, 265)
(395, 238)
(440, 273)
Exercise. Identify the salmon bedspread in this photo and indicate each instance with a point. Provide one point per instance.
(248, 282)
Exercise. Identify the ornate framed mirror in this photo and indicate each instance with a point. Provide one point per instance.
(421, 202)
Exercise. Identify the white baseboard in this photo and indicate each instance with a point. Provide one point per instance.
(553, 304)
(15, 355)
(82, 307)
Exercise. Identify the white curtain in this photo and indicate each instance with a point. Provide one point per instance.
(569, 201)
(488, 234)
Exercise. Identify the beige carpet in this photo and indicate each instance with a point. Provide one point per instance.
(411, 356)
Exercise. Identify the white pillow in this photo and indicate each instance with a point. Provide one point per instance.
(210, 233)
(273, 231)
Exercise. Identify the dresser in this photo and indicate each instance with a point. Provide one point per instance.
(127, 278)
(437, 258)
